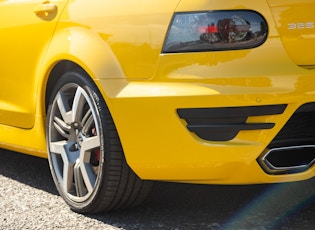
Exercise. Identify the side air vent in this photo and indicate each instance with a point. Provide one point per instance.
(223, 124)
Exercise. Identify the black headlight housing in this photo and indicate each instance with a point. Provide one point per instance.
(215, 31)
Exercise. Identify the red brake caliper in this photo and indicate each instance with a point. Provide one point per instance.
(97, 153)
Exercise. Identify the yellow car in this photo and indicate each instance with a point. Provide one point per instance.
(120, 93)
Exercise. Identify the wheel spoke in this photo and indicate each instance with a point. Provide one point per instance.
(90, 143)
(67, 176)
(66, 113)
(65, 150)
(88, 174)
(68, 158)
(78, 104)
(87, 117)
(89, 124)
(62, 128)
(78, 180)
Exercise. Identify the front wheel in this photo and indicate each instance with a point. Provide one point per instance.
(84, 151)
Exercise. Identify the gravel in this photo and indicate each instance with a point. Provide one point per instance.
(29, 200)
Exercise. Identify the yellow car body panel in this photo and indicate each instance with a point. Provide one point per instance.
(295, 23)
(25, 36)
(119, 44)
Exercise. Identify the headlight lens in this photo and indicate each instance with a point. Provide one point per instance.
(215, 31)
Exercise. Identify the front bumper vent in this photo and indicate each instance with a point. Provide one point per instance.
(223, 124)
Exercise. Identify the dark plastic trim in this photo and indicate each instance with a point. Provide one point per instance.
(223, 124)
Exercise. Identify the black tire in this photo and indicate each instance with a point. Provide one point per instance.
(84, 151)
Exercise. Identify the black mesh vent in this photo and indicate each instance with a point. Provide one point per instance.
(299, 130)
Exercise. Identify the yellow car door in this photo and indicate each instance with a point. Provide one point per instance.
(26, 28)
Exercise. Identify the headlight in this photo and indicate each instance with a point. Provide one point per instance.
(215, 30)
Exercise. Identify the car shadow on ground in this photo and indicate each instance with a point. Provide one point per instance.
(186, 206)
(32, 171)
(183, 206)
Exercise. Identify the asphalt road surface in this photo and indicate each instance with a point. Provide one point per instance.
(29, 200)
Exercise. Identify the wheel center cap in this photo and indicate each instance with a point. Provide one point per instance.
(76, 133)
(77, 127)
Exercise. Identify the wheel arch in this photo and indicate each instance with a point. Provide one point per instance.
(78, 48)
(59, 69)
